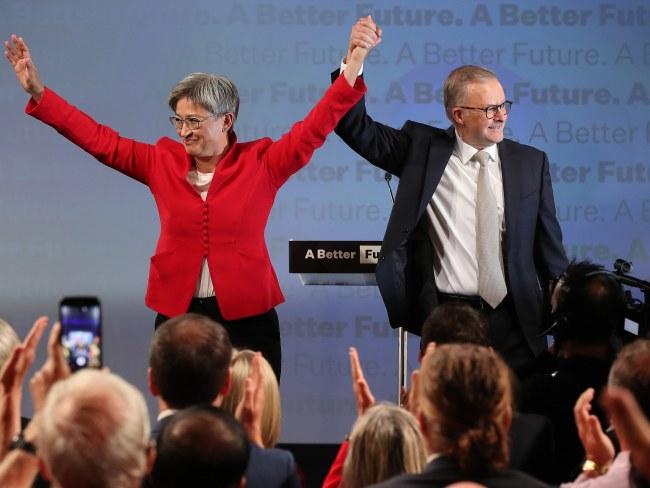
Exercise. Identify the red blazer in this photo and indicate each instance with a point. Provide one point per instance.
(228, 228)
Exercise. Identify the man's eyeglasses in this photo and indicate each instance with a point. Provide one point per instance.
(192, 123)
(491, 110)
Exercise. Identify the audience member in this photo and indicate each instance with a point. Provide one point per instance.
(385, 442)
(602, 468)
(189, 364)
(454, 323)
(19, 358)
(201, 446)
(632, 425)
(90, 429)
(19, 466)
(274, 467)
(242, 365)
(588, 307)
(531, 436)
(463, 406)
(94, 432)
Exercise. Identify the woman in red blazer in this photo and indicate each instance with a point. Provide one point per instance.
(213, 193)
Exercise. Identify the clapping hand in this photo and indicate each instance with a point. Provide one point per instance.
(11, 383)
(362, 393)
(250, 408)
(598, 447)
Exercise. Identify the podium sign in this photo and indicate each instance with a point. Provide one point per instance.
(334, 262)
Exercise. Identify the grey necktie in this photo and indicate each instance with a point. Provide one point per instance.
(491, 281)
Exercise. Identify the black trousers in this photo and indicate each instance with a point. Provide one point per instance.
(505, 334)
(257, 332)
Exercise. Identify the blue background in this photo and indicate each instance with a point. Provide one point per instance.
(71, 226)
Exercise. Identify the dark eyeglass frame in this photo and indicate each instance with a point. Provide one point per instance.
(192, 123)
(491, 110)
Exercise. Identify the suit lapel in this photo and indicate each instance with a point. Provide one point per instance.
(437, 159)
(511, 176)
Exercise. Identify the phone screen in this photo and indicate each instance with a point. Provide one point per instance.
(81, 325)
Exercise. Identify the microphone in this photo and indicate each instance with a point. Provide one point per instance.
(388, 177)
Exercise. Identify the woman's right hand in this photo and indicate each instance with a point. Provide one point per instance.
(17, 52)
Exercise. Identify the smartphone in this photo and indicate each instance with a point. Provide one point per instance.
(81, 331)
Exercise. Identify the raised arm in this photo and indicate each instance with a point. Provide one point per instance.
(130, 157)
(295, 148)
(380, 144)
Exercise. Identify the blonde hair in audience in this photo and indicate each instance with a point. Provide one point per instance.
(241, 364)
(385, 442)
(465, 401)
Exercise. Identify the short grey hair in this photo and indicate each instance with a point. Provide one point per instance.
(94, 431)
(8, 341)
(457, 81)
(217, 94)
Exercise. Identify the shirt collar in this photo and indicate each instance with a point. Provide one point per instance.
(465, 152)
(166, 413)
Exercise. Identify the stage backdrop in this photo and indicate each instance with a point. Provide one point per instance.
(577, 73)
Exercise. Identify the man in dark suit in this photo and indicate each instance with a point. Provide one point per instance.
(189, 364)
(474, 216)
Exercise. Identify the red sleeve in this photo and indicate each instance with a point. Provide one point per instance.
(130, 157)
(295, 148)
(335, 475)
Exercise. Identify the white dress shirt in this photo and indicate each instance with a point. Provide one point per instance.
(452, 213)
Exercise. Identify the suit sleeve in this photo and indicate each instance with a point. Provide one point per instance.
(293, 480)
(295, 148)
(135, 159)
(550, 256)
(383, 146)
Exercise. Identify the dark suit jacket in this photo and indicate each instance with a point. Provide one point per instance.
(159, 426)
(418, 154)
(532, 446)
(444, 471)
(271, 468)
